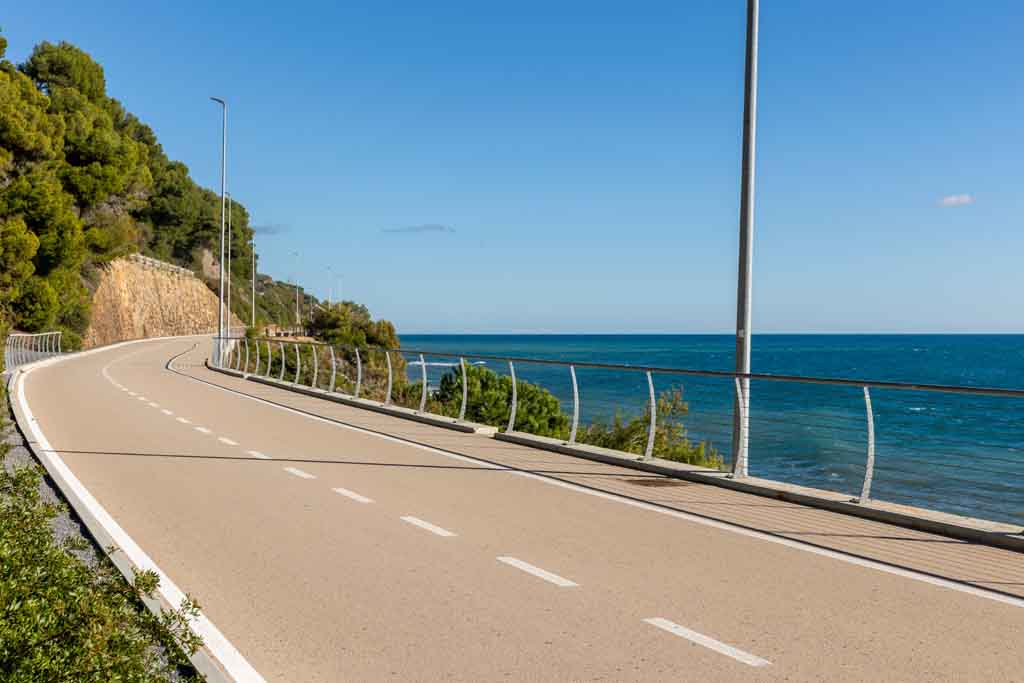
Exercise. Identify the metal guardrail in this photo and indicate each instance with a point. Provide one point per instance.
(840, 428)
(150, 262)
(21, 348)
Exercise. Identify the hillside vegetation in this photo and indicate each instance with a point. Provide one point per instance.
(82, 182)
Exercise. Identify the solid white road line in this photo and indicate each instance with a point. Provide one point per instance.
(221, 649)
(538, 572)
(166, 412)
(837, 555)
(226, 441)
(203, 430)
(257, 454)
(353, 495)
(710, 643)
(415, 521)
(299, 473)
(183, 421)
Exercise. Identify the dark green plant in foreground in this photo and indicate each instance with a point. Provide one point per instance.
(61, 620)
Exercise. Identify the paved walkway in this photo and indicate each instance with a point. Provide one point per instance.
(330, 543)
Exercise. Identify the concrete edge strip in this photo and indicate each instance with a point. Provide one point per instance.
(951, 530)
(1006, 541)
(839, 555)
(218, 659)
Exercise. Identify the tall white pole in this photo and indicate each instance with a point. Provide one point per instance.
(744, 285)
(253, 325)
(228, 194)
(223, 192)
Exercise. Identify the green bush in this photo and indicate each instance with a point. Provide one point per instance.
(670, 437)
(490, 394)
(61, 620)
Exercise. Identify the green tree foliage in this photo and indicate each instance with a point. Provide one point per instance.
(18, 246)
(91, 183)
(671, 441)
(490, 396)
(349, 323)
(61, 620)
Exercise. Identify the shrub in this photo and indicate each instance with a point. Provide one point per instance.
(670, 437)
(61, 620)
(490, 394)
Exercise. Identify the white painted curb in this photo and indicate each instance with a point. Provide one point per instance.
(218, 659)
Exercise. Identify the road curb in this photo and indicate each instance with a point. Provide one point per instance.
(204, 660)
(980, 531)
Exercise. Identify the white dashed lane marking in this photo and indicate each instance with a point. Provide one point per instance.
(299, 473)
(166, 412)
(226, 441)
(257, 454)
(183, 421)
(538, 572)
(202, 430)
(416, 521)
(708, 642)
(353, 495)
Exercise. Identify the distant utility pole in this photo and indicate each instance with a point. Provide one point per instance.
(228, 196)
(744, 289)
(298, 317)
(223, 192)
(253, 325)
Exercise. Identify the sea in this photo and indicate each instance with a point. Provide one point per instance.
(944, 451)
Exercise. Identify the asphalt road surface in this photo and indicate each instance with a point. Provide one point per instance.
(327, 543)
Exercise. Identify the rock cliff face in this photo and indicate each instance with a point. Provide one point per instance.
(136, 300)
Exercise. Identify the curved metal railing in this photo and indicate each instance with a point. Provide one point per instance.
(839, 433)
(21, 348)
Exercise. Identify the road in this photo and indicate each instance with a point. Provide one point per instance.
(327, 543)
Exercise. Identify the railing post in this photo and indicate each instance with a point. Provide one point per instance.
(246, 370)
(654, 418)
(256, 370)
(739, 466)
(281, 345)
(423, 392)
(270, 358)
(465, 390)
(512, 409)
(575, 405)
(316, 367)
(59, 337)
(333, 369)
(238, 355)
(298, 363)
(387, 357)
(869, 467)
(359, 372)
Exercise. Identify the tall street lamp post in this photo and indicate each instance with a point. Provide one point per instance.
(744, 288)
(223, 192)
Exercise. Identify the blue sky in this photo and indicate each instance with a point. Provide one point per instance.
(584, 156)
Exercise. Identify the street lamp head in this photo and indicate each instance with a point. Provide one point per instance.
(220, 101)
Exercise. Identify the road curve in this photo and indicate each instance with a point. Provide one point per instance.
(327, 544)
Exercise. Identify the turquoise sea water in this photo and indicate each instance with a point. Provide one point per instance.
(961, 454)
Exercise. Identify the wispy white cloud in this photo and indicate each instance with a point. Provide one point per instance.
(956, 200)
(425, 227)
